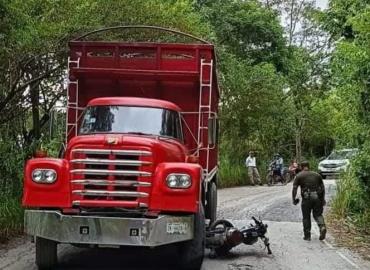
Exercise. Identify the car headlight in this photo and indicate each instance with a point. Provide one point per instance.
(178, 180)
(44, 176)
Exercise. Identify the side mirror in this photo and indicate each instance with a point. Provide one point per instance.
(56, 126)
(322, 158)
(212, 130)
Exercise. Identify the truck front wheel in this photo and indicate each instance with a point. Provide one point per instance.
(46, 253)
(191, 253)
(211, 207)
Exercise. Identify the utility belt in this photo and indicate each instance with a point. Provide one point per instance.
(310, 195)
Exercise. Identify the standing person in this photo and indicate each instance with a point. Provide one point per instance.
(279, 163)
(293, 167)
(253, 174)
(276, 170)
(313, 199)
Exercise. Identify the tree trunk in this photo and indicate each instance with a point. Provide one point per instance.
(298, 141)
(35, 93)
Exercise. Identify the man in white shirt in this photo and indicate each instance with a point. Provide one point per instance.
(253, 174)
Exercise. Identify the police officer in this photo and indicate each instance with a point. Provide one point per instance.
(313, 199)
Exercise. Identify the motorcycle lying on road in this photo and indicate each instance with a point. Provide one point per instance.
(222, 236)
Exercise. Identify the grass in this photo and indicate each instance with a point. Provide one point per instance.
(349, 219)
(351, 201)
(347, 234)
(233, 174)
(11, 217)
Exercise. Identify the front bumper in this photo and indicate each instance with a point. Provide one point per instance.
(326, 173)
(331, 171)
(97, 230)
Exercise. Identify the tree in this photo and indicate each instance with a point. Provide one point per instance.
(248, 30)
(306, 65)
(33, 55)
(349, 99)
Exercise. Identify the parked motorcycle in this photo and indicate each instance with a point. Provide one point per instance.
(277, 176)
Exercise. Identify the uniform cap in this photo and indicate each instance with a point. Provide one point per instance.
(305, 163)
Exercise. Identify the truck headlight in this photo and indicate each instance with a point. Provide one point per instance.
(37, 175)
(44, 176)
(178, 180)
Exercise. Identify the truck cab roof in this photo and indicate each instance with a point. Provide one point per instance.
(133, 101)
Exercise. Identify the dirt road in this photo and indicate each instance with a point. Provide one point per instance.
(273, 204)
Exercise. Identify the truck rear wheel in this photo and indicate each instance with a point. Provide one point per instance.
(46, 253)
(191, 252)
(211, 207)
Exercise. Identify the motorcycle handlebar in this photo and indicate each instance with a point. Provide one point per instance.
(256, 220)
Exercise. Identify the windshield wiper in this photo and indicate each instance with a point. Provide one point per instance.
(163, 137)
(139, 133)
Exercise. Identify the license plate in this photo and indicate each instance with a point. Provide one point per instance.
(177, 228)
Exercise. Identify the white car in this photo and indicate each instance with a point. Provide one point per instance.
(337, 162)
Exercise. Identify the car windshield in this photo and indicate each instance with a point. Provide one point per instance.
(344, 154)
(130, 119)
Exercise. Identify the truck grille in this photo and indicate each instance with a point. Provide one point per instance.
(111, 177)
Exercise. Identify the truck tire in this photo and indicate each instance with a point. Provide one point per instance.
(191, 252)
(46, 253)
(211, 207)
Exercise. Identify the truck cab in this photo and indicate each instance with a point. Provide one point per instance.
(139, 164)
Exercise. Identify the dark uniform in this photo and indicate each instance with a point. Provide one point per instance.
(313, 200)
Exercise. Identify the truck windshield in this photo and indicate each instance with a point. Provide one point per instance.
(134, 120)
(344, 154)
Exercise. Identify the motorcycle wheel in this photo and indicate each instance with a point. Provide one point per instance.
(284, 179)
(269, 179)
(223, 250)
(287, 177)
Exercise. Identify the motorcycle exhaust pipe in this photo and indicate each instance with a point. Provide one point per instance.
(231, 237)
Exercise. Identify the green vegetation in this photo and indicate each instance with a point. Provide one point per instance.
(352, 199)
(300, 89)
(11, 217)
(349, 98)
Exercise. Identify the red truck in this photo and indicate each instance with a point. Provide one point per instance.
(139, 164)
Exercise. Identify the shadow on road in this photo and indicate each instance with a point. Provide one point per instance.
(134, 258)
(244, 254)
(124, 258)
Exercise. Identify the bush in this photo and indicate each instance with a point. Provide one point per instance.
(232, 174)
(11, 217)
(361, 167)
(352, 199)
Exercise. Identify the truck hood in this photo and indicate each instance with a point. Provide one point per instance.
(164, 149)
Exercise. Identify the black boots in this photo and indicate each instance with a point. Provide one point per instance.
(307, 237)
(322, 233)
